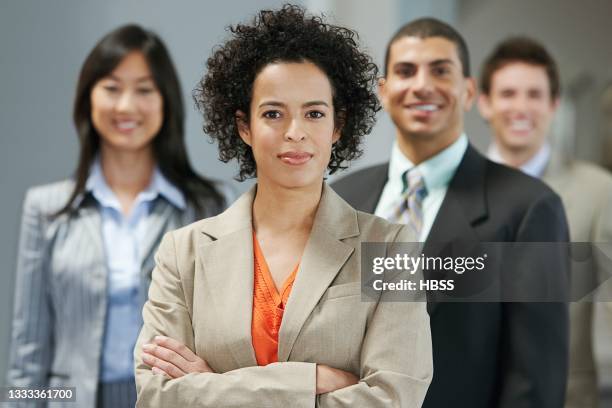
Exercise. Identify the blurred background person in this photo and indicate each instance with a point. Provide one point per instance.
(520, 90)
(86, 246)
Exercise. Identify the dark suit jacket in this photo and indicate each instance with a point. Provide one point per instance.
(490, 354)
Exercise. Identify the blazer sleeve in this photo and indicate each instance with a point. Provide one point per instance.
(165, 313)
(602, 239)
(535, 336)
(396, 355)
(31, 337)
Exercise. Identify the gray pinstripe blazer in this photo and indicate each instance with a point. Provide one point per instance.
(60, 296)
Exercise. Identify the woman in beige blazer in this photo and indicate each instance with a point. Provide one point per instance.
(289, 96)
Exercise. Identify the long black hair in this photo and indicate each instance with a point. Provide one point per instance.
(169, 144)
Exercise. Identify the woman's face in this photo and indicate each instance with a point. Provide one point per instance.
(291, 128)
(126, 106)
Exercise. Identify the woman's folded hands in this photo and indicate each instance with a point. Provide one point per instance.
(170, 357)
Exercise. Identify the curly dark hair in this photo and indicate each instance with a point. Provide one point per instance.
(287, 35)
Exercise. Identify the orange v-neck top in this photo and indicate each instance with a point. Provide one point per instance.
(268, 308)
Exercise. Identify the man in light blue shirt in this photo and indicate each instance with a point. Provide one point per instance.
(437, 172)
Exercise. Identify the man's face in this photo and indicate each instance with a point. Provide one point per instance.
(425, 92)
(519, 107)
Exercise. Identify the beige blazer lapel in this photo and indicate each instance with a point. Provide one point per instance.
(227, 262)
(323, 257)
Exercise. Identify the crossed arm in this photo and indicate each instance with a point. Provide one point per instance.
(171, 358)
(395, 372)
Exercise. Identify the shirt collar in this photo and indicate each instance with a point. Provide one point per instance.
(534, 167)
(437, 171)
(159, 185)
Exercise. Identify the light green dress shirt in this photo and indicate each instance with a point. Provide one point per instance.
(437, 173)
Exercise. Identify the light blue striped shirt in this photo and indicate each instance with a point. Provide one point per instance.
(123, 237)
(437, 173)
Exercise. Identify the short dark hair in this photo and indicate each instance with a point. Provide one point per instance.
(169, 144)
(428, 27)
(287, 35)
(520, 49)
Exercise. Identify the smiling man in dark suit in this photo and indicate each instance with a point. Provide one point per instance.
(494, 354)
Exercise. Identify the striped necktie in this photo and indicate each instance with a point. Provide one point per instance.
(409, 209)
